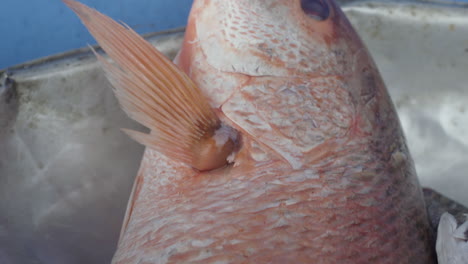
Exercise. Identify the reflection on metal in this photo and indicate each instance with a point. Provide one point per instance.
(66, 169)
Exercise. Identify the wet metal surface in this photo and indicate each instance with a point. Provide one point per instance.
(66, 169)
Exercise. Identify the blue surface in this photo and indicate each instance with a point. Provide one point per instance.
(32, 29)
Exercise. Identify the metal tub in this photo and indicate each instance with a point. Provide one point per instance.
(66, 169)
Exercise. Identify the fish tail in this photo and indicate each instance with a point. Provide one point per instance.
(156, 93)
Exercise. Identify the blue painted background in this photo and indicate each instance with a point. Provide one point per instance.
(31, 29)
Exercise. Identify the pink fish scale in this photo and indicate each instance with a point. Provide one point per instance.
(214, 225)
(298, 122)
(262, 37)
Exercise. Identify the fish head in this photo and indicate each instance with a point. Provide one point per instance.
(269, 38)
(292, 75)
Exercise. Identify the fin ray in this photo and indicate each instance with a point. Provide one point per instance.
(156, 93)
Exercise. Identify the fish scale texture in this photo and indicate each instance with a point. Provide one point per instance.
(260, 217)
(297, 123)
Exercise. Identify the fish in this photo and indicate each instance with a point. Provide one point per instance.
(272, 139)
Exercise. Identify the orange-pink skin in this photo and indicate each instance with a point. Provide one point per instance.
(323, 174)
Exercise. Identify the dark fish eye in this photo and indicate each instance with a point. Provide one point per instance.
(316, 9)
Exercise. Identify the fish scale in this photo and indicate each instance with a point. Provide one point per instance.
(319, 215)
(260, 36)
(252, 111)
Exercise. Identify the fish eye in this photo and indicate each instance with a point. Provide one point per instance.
(316, 9)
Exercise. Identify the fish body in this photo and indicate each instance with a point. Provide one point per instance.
(320, 171)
